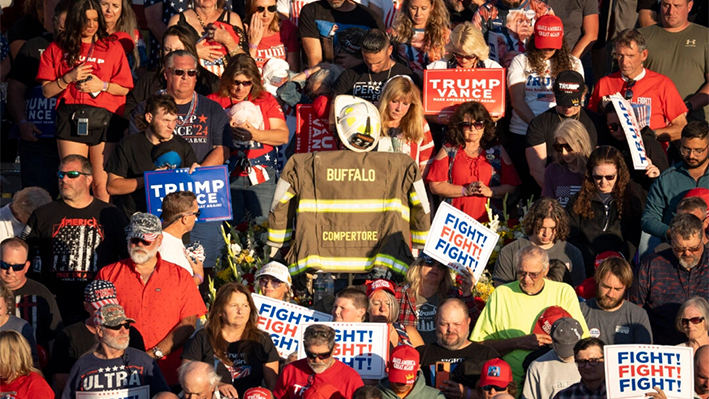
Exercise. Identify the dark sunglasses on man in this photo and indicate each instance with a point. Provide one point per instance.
(7, 266)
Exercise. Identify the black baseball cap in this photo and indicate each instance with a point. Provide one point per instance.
(569, 88)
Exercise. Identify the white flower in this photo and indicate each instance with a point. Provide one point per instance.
(235, 248)
(518, 234)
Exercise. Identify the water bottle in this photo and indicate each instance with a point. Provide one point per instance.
(319, 287)
(329, 284)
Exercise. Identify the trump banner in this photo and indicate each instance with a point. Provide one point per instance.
(282, 320)
(312, 133)
(142, 392)
(632, 131)
(362, 346)
(209, 183)
(444, 89)
(633, 370)
(459, 241)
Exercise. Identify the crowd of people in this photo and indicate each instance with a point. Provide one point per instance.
(97, 294)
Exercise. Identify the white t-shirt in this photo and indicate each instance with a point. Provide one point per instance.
(173, 250)
(538, 91)
(9, 225)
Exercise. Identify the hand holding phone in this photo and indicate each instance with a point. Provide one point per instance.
(443, 373)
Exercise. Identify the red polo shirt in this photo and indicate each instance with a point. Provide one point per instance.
(158, 306)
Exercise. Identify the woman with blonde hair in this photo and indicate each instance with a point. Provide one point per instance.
(428, 284)
(572, 147)
(269, 37)
(17, 374)
(421, 31)
(404, 129)
(466, 49)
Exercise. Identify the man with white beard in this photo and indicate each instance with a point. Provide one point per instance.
(112, 365)
(161, 296)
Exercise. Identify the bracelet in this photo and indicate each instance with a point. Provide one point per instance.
(463, 192)
(307, 73)
(199, 276)
(22, 122)
(253, 46)
(60, 86)
(64, 80)
(105, 86)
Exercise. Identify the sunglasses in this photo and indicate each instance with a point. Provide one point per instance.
(613, 126)
(269, 8)
(321, 356)
(71, 174)
(190, 72)
(590, 362)
(598, 178)
(7, 266)
(558, 147)
(245, 83)
(125, 325)
(685, 249)
(196, 214)
(136, 241)
(479, 125)
(628, 92)
(693, 320)
(533, 276)
(275, 283)
(488, 388)
(465, 57)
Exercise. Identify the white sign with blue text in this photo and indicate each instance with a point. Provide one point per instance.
(632, 131)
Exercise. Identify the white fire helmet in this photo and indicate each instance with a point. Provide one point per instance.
(357, 123)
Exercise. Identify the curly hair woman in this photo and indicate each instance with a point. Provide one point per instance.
(421, 31)
(605, 214)
(233, 342)
(470, 168)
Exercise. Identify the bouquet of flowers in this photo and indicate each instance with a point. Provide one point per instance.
(244, 253)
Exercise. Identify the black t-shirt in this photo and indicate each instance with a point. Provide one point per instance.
(131, 158)
(541, 129)
(76, 340)
(466, 15)
(249, 358)
(72, 245)
(359, 82)
(208, 125)
(26, 63)
(25, 28)
(470, 360)
(37, 305)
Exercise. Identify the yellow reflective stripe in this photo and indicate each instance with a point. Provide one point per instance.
(419, 236)
(279, 235)
(342, 264)
(414, 198)
(286, 197)
(354, 206)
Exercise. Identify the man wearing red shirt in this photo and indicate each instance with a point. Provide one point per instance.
(318, 368)
(159, 295)
(656, 99)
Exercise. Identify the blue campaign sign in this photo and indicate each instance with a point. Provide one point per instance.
(210, 184)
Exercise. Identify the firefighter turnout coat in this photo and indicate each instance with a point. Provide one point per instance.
(343, 211)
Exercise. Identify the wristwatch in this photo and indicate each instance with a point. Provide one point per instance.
(158, 353)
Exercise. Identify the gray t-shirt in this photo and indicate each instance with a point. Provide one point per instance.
(548, 375)
(427, 309)
(506, 272)
(681, 56)
(571, 13)
(627, 325)
(15, 323)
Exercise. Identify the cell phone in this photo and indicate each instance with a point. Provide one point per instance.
(443, 373)
(82, 126)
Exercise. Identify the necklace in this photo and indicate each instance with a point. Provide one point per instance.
(204, 26)
(575, 117)
(190, 113)
(369, 73)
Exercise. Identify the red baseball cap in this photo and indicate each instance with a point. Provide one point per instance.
(404, 365)
(257, 393)
(700, 192)
(605, 255)
(380, 284)
(548, 317)
(549, 32)
(496, 372)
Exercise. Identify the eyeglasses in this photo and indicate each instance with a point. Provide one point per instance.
(598, 178)
(533, 276)
(71, 174)
(613, 126)
(465, 57)
(7, 266)
(269, 8)
(628, 92)
(591, 362)
(125, 325)
(136, 241)
(478, 125)
(558, 147)
(321, 356)
(696, 151)
(275, 283)
(693, 320)
(685, 249)
(179, 72)
(488, 388)
(245, 83)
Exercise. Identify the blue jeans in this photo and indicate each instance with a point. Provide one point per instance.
(256, 199)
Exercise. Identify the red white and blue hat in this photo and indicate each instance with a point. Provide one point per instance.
(99, 293)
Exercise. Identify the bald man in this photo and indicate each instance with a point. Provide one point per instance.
(453, 346)
(198, 380)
